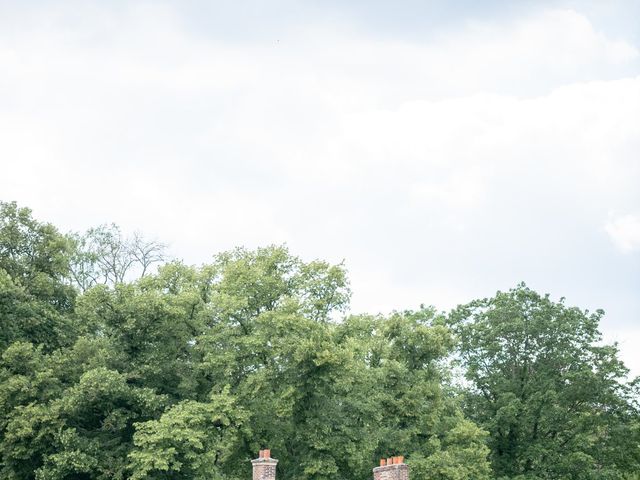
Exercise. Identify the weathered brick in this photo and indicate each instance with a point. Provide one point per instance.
(264, 467)
(393, 468)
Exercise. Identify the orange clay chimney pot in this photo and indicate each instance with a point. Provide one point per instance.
(392, 468)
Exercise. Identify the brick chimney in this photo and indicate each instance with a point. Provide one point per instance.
(392, 468)
(264, 467)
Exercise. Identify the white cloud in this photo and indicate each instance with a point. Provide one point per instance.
(440, 170)
(624, 232)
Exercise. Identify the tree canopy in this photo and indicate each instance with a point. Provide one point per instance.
(551, 395)
(118, 363)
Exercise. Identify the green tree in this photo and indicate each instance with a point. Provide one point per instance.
(185, 372)
(104, 256)
(153, 331)
(191, 440)
(35, 298)
(552, 396)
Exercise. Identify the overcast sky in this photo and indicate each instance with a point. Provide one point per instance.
(443, 150)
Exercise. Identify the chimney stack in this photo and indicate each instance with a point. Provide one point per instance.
(264, 467)
(392, 468)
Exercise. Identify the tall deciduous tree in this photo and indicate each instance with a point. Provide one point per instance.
(551, 394)
(104, 256)
(35, 299)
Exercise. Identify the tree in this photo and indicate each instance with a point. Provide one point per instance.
(552, 396)
(35, 299)
(153, 329)
(419, 414)
(191, 440)
(103, 256)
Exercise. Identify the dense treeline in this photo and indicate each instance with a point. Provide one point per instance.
(110, 371)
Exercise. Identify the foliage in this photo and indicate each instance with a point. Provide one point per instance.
(112, 370)
(35, 302)
(191, 440)
(552, 396)
(103, 256)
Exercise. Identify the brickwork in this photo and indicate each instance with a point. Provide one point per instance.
(393, 468)
(264, 467)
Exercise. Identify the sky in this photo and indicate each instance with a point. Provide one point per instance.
(442, 150)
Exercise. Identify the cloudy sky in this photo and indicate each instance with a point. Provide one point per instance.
(443, 150)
